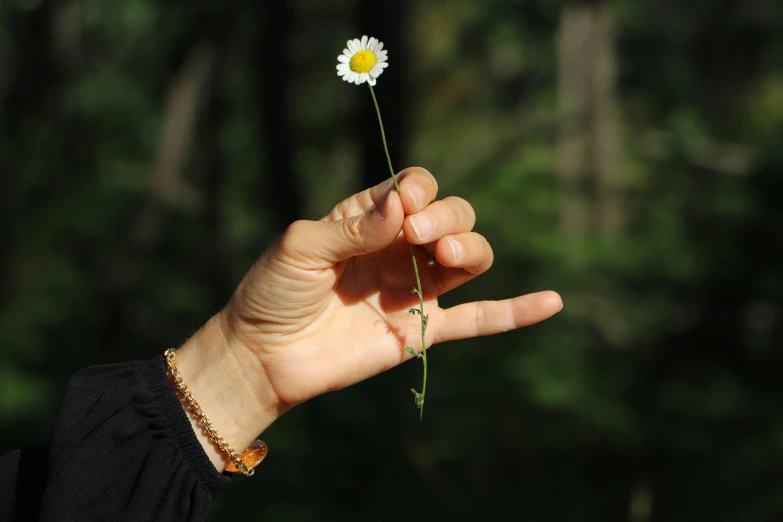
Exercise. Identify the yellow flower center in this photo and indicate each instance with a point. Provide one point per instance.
(363, 62)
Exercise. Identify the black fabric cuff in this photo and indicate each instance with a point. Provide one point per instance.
(181, 427)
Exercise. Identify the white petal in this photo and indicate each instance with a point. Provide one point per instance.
(349, 77)
(357, 44)
(358, 80)
(364, 42)
(343, 66)
(347, 53)
(382, 64)
(381, 54)
(351, 48)
(371, 43)
(342, 73)
(376, 71)
(343, 58)
(380, 46)
(371, 80)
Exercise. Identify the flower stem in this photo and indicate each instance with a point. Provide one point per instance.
(422, 317)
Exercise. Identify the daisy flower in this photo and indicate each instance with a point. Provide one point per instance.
(363, 61)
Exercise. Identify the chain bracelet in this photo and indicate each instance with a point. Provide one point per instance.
(202, 417)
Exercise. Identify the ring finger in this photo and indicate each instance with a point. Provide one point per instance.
(461, 257)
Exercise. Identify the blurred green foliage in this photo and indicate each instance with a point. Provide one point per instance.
(151, 151)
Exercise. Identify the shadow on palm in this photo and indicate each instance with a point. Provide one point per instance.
(382, 282)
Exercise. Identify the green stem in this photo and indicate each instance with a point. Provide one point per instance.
(413, 257)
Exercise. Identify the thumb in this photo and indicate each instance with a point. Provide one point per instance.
(335, 241)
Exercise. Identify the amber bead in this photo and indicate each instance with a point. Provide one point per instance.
(252, 456)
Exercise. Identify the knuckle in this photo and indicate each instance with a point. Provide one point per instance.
(417, 171)
(342, 208)
(461, 211)
(481, 314)
(451, 208)
(468, 212)
(296, 229)
(346, 208)
(405, 173)
(294, 235)
(424, 175)
(352, 229)
(427, 175)
(490, 255)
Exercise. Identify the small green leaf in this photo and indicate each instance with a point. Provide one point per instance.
(413, 311)
(410, 350)
(418, 398)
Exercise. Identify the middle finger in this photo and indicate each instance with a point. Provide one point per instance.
(451, 215)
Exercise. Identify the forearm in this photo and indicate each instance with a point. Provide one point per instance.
(228, 382)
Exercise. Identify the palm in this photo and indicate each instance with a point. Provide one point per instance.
(358, 322)
(375, 294)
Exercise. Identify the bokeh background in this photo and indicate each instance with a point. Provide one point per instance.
(626, 153)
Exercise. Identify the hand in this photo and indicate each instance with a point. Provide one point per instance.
(326, 306)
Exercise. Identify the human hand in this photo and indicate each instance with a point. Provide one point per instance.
(326, 306)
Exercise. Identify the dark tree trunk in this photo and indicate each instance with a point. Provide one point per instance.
(282, 193)
(214, 185)
(31, 78)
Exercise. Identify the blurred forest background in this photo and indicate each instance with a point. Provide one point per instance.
(626, 153)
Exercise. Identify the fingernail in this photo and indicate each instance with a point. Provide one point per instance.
(456, 248)
(383, 210)
(422, 225)
(417, 194)
(561, 306)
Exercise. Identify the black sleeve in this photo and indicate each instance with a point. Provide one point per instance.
(123, 449)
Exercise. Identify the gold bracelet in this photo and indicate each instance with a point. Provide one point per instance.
(244, 463)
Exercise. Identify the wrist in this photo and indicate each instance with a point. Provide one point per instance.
(231, 387)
